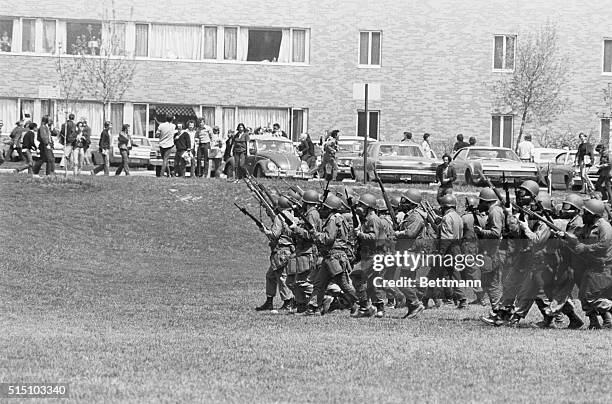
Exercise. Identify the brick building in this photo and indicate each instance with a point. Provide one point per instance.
(303, 64)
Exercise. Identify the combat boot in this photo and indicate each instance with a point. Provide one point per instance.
(390, 303)
(414, 311)
(607, 319)
(479, 299)
(513, 321)
(576, 322)
(287, 305)
(490, 319)
(266, 306)
(462, 304)
(312, 311)
(365, 312)
(380, 310)
(594, 322)
(546, 323)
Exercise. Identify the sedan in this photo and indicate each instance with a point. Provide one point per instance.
(494, 162)
(563, 173)
(396, 161)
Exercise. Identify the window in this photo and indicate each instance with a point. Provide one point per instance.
(139, 128)
(298, 123)
(28, 35)
(6, 35)
(263, 117)
(113, 39)
(47, 108)
(605, 131)
(142, 40)
(208, 113)
(176, 41)
(210, 43)
(299, 46)
(8, 113)
(607, 59)
(371, 122)
(83, 38)
(27, 110)
(369, 48)
(230, 43)
(49, 36)
(264, 45)
(116, 117)
(503, 53)
(501, 130)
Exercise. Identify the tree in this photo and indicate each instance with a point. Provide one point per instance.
(71, 81)
(534, 90)
(110, 74)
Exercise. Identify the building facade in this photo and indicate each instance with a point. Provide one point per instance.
(304, 64)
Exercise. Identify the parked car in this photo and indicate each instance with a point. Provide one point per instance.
(140, 155)
(565, 175)
(349, 147)
(271, 156)
(395, 161)
(469, 162)
(543, 157)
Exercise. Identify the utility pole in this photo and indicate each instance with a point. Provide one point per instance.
(365, 139)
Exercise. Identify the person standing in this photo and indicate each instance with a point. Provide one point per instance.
(306, 150)
(203, 142)
(407, 137)
(79, 149)
(191, 131)
(276, 131)
(16, 139)
(472, 141)
(28, 146)
(124, 143)
(45, 147)
(584, 158)
(240, 150)
(68, 134)
(460, 143)
(104, 148)
(446, 176)
(86, 131)
(182, 143)
(450, 235)
(166, 133)
(603, 173)
(330, 148)
(426, 146)
(526, 149)
(217, 146)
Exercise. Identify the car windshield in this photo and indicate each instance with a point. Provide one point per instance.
(545, 157)
(493, 154)
(399, 150)
(350, 146)
(275, 146)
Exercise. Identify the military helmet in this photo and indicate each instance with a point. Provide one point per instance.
(413, 195)
(343, 199)
(448, 201)
(368, 200)
(546, 201)
(283, 203)
(394, 201)
(487, 195)
(381, 205)
(531, 186)
(574, 200)
(332, 202)
(594, 207)
(471, 201)
(310, 196)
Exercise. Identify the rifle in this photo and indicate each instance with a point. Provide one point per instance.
(325, 192)
(257, 221)
(299, 191)
(307, 225)
(432, 218)
(386, 198)
(349, 199)
(539, 217)
(262, 200)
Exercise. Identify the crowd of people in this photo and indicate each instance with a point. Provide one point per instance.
(324, 248)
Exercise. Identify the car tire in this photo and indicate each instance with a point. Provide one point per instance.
(468, 178)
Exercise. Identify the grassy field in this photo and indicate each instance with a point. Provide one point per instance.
(143, 289)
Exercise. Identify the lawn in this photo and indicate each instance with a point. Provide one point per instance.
(143, 289)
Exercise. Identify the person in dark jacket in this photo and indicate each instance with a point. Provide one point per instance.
(124, 143)
(104, 148)
(446, 175)
(240, 150)
(460, 143)
(45, 147)
(306, 150)
(27, 146)
(182, 142)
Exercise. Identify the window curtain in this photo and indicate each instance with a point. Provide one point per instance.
(230, 43)
(28, 36)
(299, 46)
(265, 117)
(8, 113)
(243, 43)
(93, 112)
(229, 120)
(49, 36)
(27, 108)
(142, 40)
(176, 42)
(113, 38)
(210, 43)
(284, 53)
(16, 46)
(116, 117)
(208, 113)
(140, 120)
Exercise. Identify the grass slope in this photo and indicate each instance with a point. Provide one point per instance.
(142, 290)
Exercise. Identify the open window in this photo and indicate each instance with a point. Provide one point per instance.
(83, 38)
(6, 35)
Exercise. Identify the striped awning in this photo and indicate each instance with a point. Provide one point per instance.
(183, 110)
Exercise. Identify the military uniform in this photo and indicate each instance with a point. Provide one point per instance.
(450, 235)
(282, 249)
(469, 246)
(491, 271)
